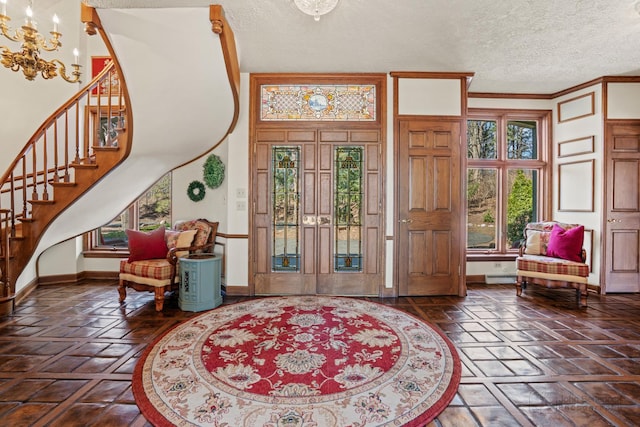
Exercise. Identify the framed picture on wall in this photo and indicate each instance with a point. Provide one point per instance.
(98, 63)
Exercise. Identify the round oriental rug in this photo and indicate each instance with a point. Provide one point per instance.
(301, 361)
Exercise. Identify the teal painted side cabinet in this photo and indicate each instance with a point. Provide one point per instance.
(200, 282)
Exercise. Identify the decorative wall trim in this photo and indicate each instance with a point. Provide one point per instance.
(492, 95)
(572, 197)
(232, 236)
(574, 89)
(576, 108)
(574, 147)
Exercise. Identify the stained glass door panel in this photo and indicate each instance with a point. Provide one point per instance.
(347, 209)
(285, 197)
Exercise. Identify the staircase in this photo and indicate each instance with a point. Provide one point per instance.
(170, 96)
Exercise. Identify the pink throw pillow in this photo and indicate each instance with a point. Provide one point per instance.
(146, 245)
(566, 244)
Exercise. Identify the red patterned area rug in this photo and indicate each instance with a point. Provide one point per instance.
(298, 361)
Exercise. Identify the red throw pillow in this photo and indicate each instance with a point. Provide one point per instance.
(146, 245)
(566, 244)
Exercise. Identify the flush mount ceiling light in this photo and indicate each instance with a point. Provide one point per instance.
(316, 8)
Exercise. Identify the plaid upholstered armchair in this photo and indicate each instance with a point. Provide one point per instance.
(552, 255)
(153, 263)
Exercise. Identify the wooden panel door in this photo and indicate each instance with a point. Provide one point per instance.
(283, 240)
(350, 230)
(622, 227)
(429, 248)
(317, 216)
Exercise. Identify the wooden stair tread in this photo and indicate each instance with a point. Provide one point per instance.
(41, 202)
(105, 148)
(62, 184)
(84, 165)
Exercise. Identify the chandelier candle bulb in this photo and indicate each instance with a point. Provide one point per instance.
(29, 19)
(76, 55)
(56, 21)
(4, 7)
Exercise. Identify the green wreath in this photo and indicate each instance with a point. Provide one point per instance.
(196, 191)
(213, 171)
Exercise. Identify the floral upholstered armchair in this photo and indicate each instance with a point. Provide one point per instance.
(552, 255)
(153, 264)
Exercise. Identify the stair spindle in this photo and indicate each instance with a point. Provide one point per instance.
(45, 171)
(56, 178)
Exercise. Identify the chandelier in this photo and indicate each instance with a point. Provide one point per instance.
(28, 57)
(316, 8)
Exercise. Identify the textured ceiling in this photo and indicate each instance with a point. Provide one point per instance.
(515, 46)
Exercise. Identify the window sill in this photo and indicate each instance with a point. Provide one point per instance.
(106, 253)
(481, 257)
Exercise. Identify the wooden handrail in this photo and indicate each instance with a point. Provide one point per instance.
(53, 117)
(220, 26)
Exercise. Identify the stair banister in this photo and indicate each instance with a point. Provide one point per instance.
(48, 167)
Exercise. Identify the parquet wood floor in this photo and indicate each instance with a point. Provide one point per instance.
(67, 354)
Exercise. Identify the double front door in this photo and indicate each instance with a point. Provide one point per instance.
(316, 220)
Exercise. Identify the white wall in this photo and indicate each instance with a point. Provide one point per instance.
(622, 101)
(429, 97)
(390, 189)
(237, 272)
(568, 130)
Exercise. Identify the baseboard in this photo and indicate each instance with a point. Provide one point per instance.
(59, 279)
(237, 290)
(101, 275)
(476, 279)
(24, 292)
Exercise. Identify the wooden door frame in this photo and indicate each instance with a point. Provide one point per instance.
(256, 80)
(461, 285)
(465, 81)
(609, 124)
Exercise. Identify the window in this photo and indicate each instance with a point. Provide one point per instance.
(150, 211)
(507, 177)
